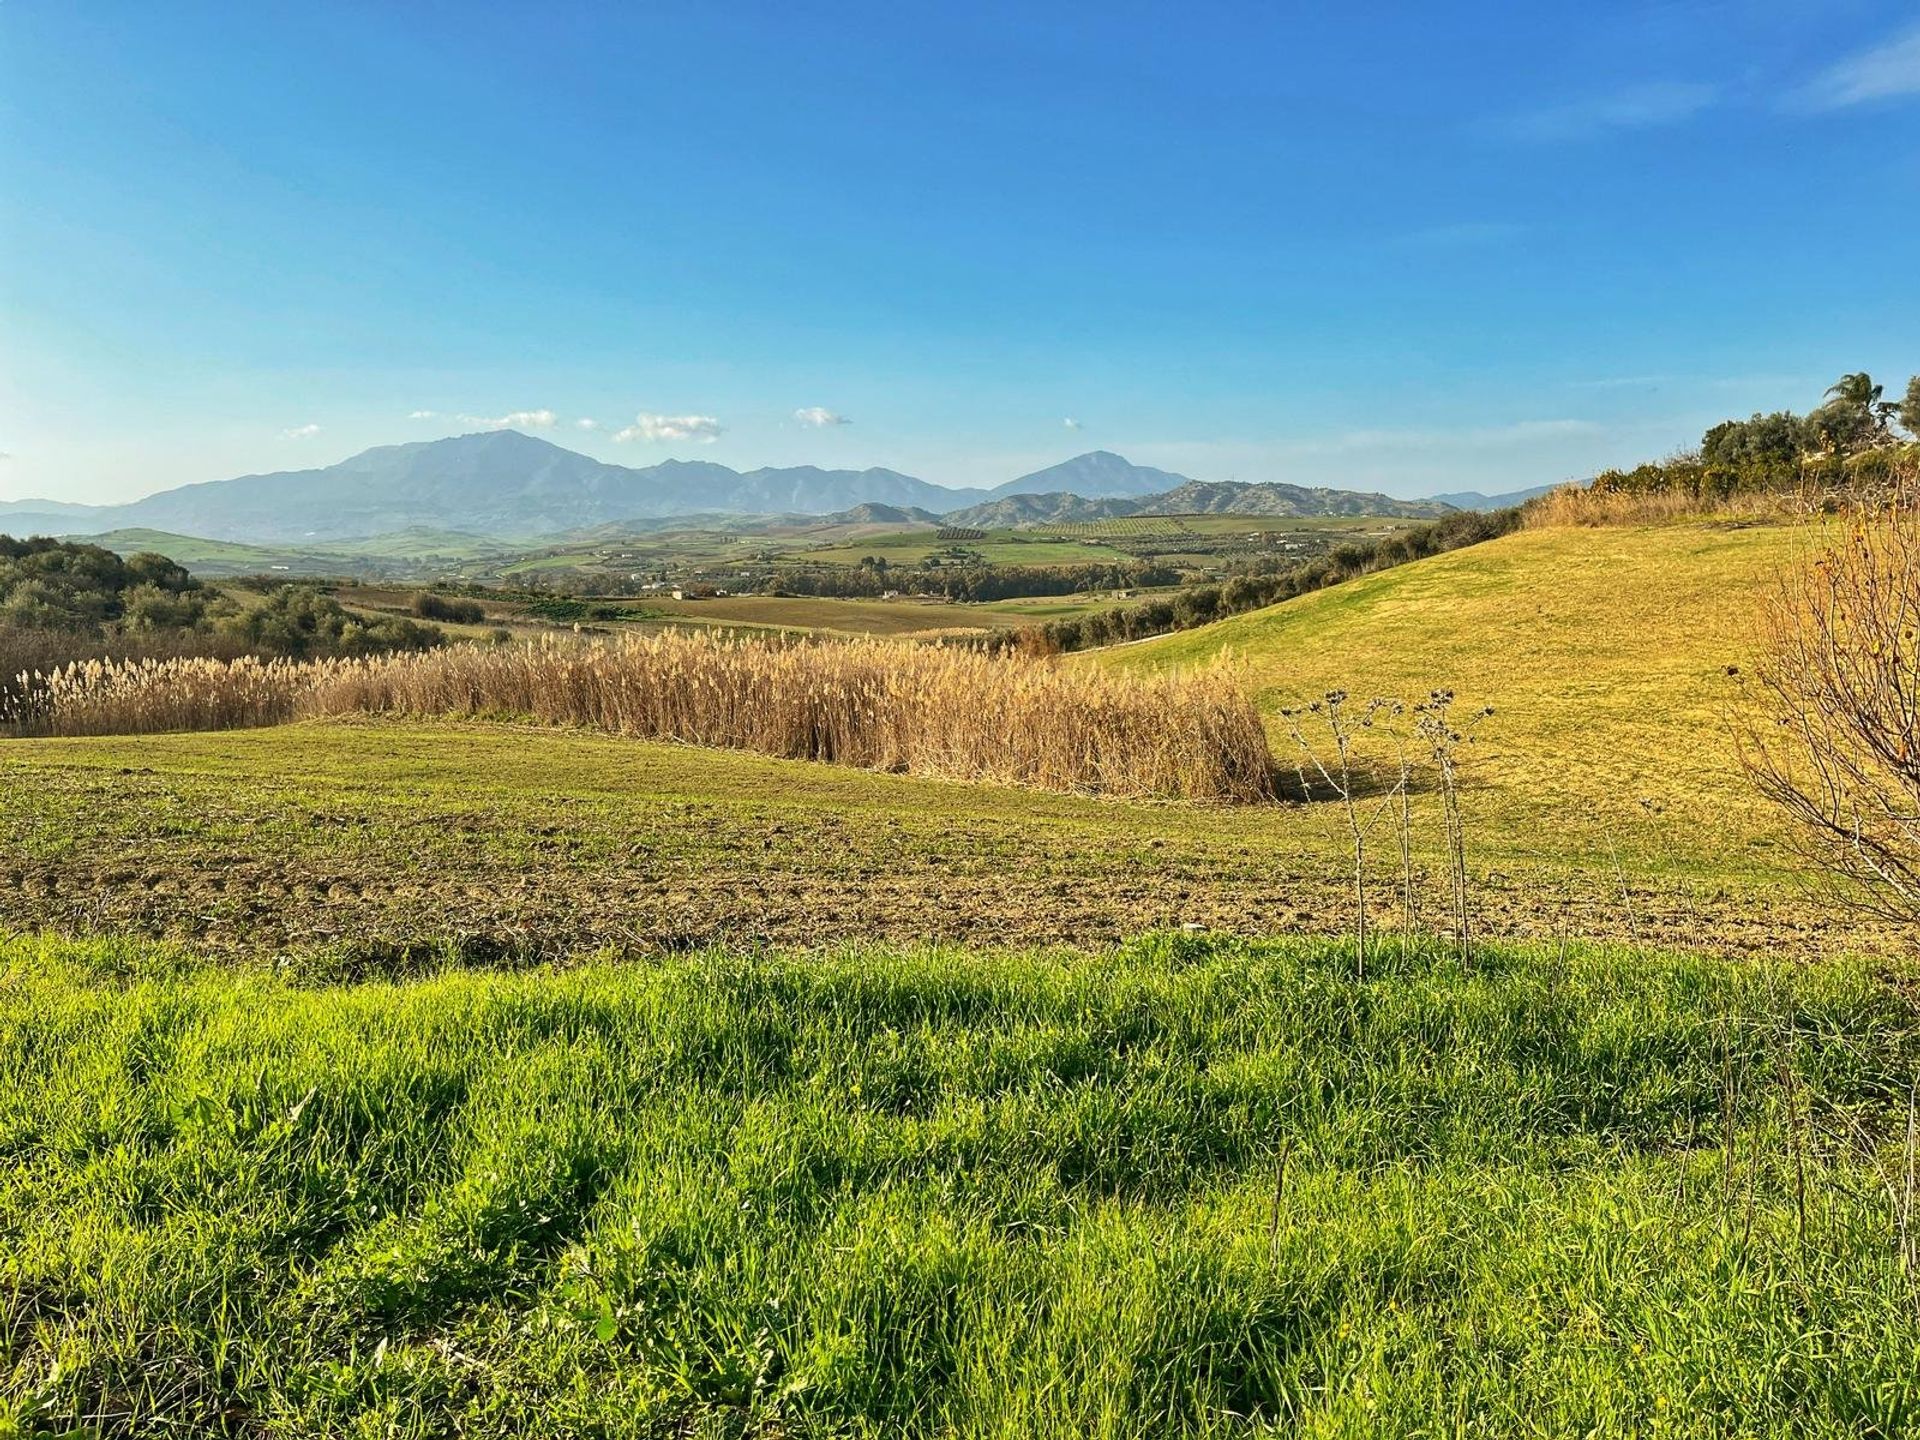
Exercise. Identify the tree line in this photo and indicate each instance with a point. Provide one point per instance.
(971, 583)
(1856, 438)
(62, 601)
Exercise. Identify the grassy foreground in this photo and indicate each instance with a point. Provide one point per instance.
(1178, 1188)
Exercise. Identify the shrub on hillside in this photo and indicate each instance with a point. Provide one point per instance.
(428, 606)
(301, 621)
(59, 585)
(1204, 604)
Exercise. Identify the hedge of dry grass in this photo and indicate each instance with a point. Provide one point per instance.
(875, 704)
(1573, 505)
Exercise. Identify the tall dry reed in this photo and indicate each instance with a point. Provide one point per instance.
(1573, 505)
(875, 704)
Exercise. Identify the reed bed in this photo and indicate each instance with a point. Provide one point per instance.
(878, 705)
(1575, 506)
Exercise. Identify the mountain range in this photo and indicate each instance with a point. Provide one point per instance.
(501, 483)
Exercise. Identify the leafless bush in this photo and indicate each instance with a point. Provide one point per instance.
(1444, 733)
(1342, 724)
(1833, 732)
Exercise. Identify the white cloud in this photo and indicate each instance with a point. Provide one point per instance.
(301, 432)
(818, 417)
(586, 423)
(515, 420)
(423, 415)
(1072, 424)
(1638, 107)
(1889, 70)
(704, 428)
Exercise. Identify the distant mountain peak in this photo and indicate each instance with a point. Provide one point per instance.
(1096, 475)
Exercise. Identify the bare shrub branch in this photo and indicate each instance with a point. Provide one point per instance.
(1833, 734)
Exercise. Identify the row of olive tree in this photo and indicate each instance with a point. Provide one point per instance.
(1202, 604)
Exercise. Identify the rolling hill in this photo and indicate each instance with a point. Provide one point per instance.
(1604, 653)
(1056, 508)
(1194, 497)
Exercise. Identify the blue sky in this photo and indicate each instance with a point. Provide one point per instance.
(1408, 247)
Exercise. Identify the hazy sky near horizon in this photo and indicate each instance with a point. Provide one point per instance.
(1425, 247)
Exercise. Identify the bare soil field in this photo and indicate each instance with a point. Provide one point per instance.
(369, 837)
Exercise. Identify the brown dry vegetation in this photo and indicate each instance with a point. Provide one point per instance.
(1572, 505)
(957, 714)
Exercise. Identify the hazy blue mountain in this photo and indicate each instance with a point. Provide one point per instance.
(497, 483)
(805, 490)
(1474, 500)
(502, 484)
(44, 507)
(40, 522)
(1096, 475)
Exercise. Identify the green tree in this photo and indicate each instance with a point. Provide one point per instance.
(1774, 440)
(1854, 417)
(1910, 408)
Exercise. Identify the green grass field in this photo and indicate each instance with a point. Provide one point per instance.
(1179, 1189)
(371, 837)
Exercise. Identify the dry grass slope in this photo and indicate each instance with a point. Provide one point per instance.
(1605, 653)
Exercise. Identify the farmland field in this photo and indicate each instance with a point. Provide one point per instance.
(1001, 547)
(1606, 655)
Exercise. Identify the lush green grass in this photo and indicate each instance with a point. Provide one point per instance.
(938, 1193)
